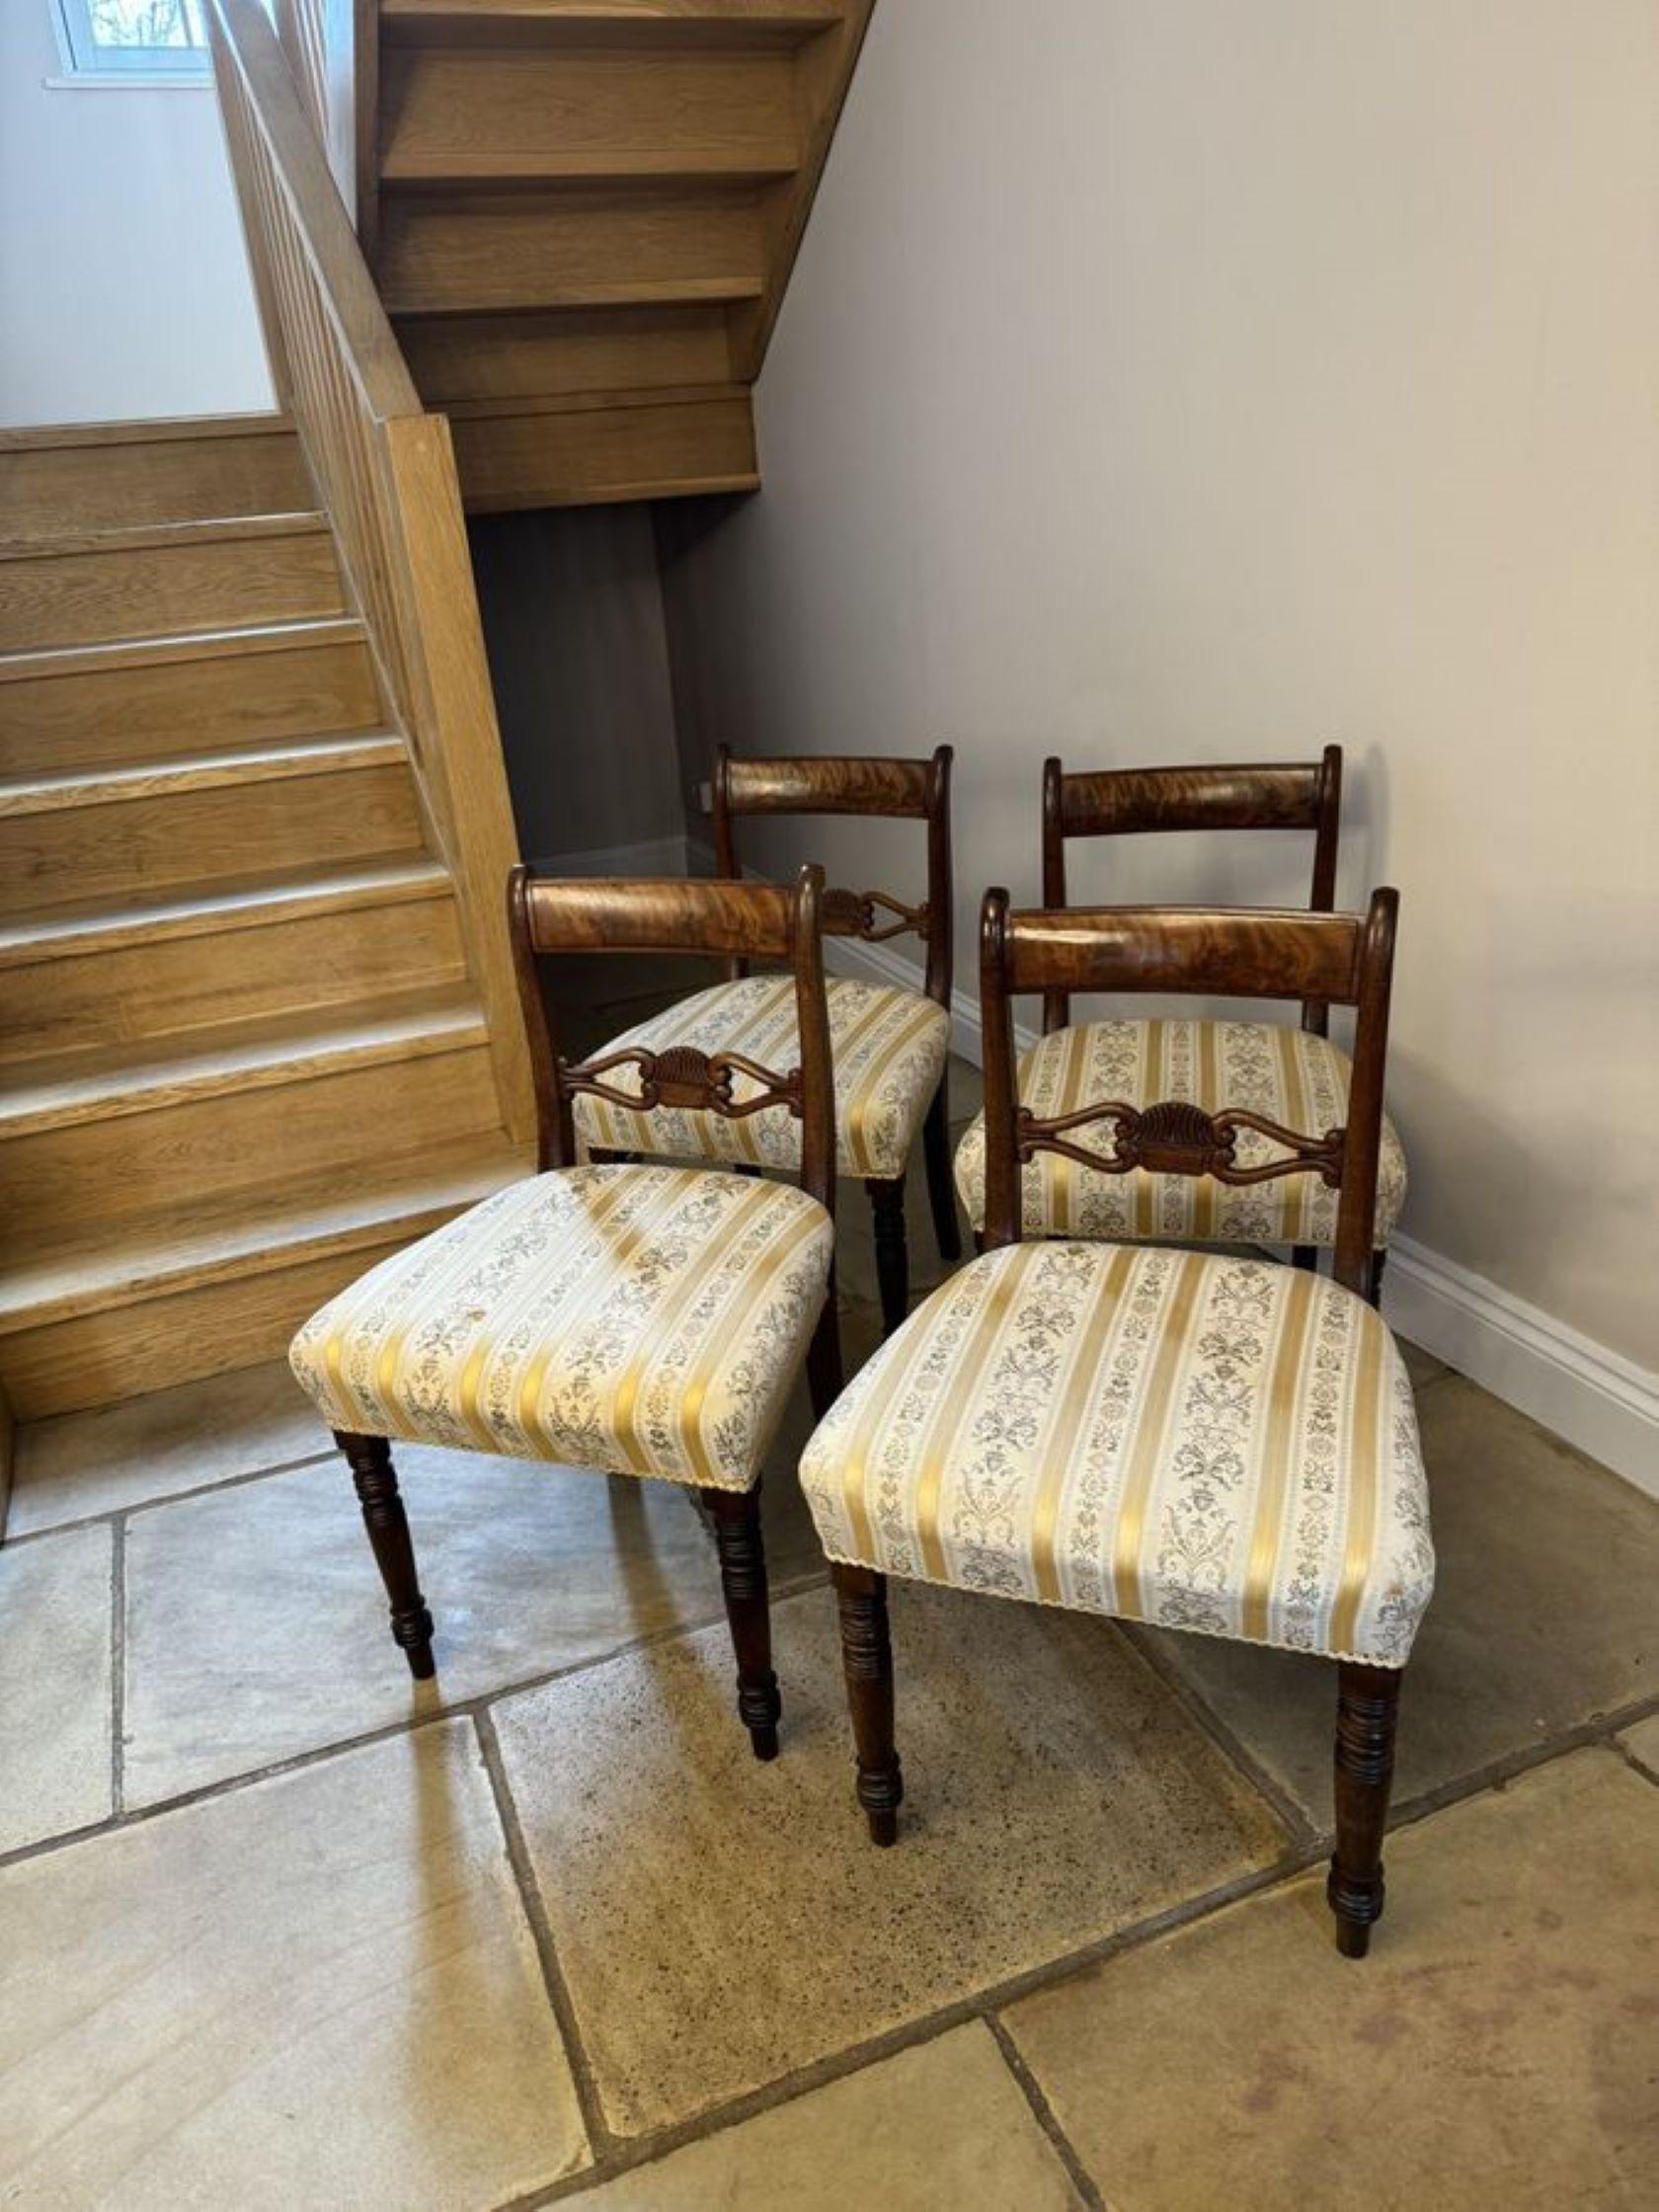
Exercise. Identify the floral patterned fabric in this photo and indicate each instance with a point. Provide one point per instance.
(889, 1051)
(1221, 1444)
(1296, 1079)
(642, 1320)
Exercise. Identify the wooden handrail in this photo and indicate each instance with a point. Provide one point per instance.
(385, 474)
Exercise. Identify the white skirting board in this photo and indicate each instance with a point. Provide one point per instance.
(1595, 1398)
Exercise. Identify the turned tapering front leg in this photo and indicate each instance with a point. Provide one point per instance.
(893, 1260)
(370, 1461)
(743, 1580)
(867, 1663)
(1367, 1709)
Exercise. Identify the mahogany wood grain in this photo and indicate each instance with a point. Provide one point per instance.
(1133, 802)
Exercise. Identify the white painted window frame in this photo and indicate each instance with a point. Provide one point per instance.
(89, 68)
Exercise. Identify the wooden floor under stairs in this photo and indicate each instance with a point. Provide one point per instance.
(240, 1055)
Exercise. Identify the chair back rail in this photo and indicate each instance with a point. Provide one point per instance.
(385, 475)
(878, 788)
(1342, 959)
(1137, 801)
(548, 917)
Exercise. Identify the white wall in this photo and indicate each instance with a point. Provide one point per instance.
(1183, 379)
(124, 284)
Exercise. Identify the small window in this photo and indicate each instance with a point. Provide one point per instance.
(133, 41)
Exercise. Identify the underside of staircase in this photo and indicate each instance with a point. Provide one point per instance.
(582, 215)
(240, 1055)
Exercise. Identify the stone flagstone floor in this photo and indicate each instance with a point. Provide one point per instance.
(280, 1929)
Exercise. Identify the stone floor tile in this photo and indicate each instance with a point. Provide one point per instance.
(55, 1716)
(939, 2129)
(1422, 1367)
(320, 1991)
(1544, 1613)
(1642, 1743)
(1496, 2049)
(257, 1625)
(722, 1924)
(82, 1464)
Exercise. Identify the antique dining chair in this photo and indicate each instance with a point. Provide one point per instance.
(890, 1044)
(1221, 1444)
(640, 1320)
(1294, 1076)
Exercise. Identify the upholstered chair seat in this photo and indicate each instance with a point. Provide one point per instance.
(637, 1320)
(1212, 1444)
(887, 1046)
(1282, 1075)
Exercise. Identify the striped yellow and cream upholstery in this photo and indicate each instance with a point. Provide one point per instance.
(889, 1050)
(640, 1320)
(1222, 1444)
(1298, 1081)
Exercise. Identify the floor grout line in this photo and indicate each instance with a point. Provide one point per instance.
(1043, 2112)
(117, 1667)
(1292, 1816)
(460, 1708)
(591, 2106)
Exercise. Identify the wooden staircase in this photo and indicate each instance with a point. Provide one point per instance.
(241, 1053)
(582, 215)
(257, 1018)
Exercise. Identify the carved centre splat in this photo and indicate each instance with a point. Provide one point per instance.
(1177, 1137)
(853, 914)
(685, 1078)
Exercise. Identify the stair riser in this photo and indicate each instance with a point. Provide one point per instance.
(616, 350)
(201, 837)
(166, 590)
(582, 249)
(203, 1149)
(604, 454)
(581, 113)
(66, 491)
(98, 1358)
(105, 717)
(175, 986)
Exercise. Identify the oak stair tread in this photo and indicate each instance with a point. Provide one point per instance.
(301, 635)
(159, 536)
(72, 931)
(145, 430)
(262, 761)
(254, 1233)
(65, 1089)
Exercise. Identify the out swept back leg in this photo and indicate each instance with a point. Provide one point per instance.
(1367, 1709)
(826, 1375)
(1373, 1290)
(867, 1663)
(743, 1580)
(941, 1194)
(892, 1263)
(370, 1461)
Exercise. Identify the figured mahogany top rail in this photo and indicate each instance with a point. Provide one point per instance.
(1222, 951)
(660, 914)
(549, 916)
(1115, 801)
(1205, 951)
(843, 783)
